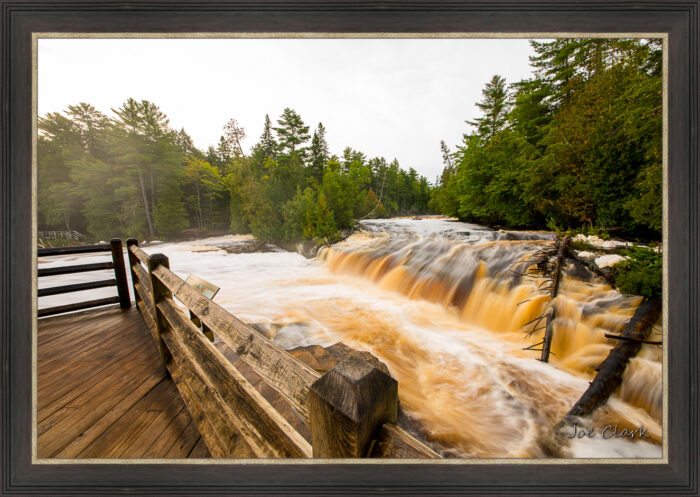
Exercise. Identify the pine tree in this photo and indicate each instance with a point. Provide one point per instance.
(446, 156)
(319, 154)
(291, 131)
(494, 106)
(267, 141)
(234, 135)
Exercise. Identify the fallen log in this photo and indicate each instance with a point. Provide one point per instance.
(618, 337)
(551, 312)
(592, 267)
(612, 368)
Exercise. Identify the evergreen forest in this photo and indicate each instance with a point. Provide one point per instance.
(579, 145)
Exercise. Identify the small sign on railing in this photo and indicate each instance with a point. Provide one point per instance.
(207, 290)
(204, 287)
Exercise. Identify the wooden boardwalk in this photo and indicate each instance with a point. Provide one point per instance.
(101, 392)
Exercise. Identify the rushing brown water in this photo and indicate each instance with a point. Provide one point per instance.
(441, 304)
(483, 399)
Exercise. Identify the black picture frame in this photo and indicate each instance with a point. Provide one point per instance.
(679, 19)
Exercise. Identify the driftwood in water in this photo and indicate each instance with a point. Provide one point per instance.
(551, 313)
(618, 337)
(592, 267)
(610, 371)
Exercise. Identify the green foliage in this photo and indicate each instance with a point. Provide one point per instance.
(582, 246)
(578, 145)
(134, 176)
(494, 108)
(641, 274)
(291, 131)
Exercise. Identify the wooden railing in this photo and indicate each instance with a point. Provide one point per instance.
(54, 235)
(351, 410)
(119, 280)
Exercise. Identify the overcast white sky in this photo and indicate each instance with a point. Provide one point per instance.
(395, 98)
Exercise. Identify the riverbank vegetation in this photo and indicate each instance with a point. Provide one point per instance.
(575, 148)
(132, 175)
(578, 146)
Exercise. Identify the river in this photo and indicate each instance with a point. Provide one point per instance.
(441, 303)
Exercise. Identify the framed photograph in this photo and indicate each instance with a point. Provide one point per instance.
(347, 248)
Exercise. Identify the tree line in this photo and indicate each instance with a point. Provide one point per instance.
(132, 175)
(578, 145)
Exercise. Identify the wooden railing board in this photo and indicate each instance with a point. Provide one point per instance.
(115, 245)
(148, 318)
(142, 276)
(119, 280)
(234, 419)
(261, 424)
(80, 249)
(78, 268)
(280, 370)
(159, 292)
(395, 443)
(59, 309)
(146, 297)
(140, 254)
(76, 287)
(221, 438)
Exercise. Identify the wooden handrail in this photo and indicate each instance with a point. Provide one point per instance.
(265, 430)
(234, 419)
(119, 280)
(278, 368)
(80, 249)
(78, 268)
(140, 254)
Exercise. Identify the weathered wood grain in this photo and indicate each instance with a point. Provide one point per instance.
(140, 254)
(220, 435)
(199, 451)
(146, 298)
(349, 404)
(87, 436)
(142, 277)
(115, 245)
(158, 292)
(268, 433)
(281, 371)
(174, 433)
(395, 443)
(131, 430)
(93, 379)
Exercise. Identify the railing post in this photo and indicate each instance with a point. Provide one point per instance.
(133, 260)
(159, 291)
(349, 404)
(120, 273)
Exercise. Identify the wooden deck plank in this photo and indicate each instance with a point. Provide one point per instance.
(185, 443)
(154, 432)
(170, 435)
(56, 364)
(89, 412)
(199, 451)
(74, 387)
(81, 345)
(77, 330)
(83, 440)
(122, 434)
(101, 391)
